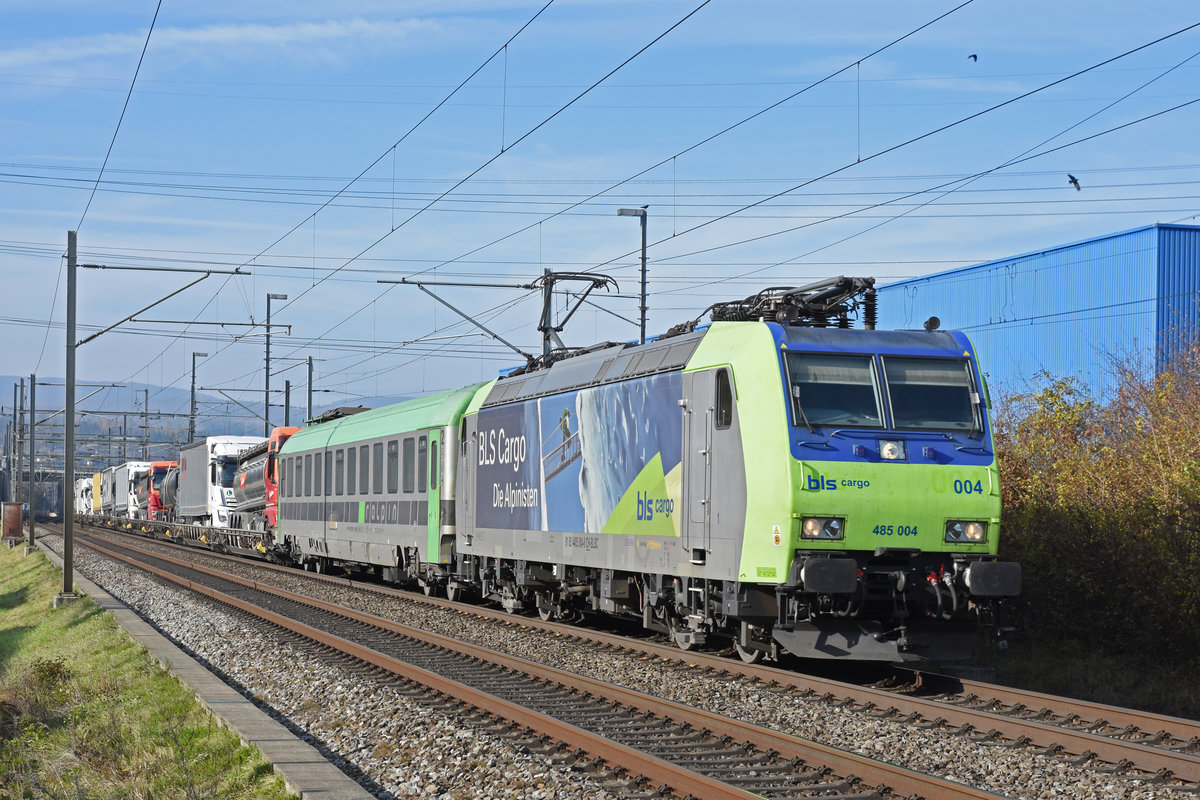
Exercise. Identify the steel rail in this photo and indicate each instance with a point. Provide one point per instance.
(1185, 766)
(682, 781)
(1180, 727)
(887, 777)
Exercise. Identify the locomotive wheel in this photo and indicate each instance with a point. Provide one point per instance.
(675, 625)
(429, 588)
(453, 592)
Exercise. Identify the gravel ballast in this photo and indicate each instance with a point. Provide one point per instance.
(407, 749)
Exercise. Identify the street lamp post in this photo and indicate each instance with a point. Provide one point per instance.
(267, 381)
(641, 213)
(192, 413)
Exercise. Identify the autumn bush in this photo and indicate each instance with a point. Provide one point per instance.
(1102, 509)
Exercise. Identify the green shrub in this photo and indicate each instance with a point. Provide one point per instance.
(1102, 509)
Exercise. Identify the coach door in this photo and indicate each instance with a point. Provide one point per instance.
(438, 549)
(698, 428)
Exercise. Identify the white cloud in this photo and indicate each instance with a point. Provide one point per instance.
(215, 39)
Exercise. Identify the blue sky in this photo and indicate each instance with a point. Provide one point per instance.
(247, 120)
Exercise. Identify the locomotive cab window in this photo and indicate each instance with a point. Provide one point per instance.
(724, 400)
(833, 390)
(932, 393)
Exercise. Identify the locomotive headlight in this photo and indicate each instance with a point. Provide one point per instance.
(891, 449)
(822, 528)
(966, 532)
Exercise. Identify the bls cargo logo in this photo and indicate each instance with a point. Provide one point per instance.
(817, 483)
(648, 506)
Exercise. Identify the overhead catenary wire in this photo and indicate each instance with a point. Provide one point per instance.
(112, 143)
(380, 157)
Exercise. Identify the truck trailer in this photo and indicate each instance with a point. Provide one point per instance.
(206, 470)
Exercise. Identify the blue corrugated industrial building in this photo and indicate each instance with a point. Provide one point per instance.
(1066, 310)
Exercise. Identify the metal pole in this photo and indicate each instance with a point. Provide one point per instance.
(267, 379)
(547, 288)
(68, 592)
(32, 453)
(145, 424)
(310, 410)
(192, 414)
(124, 434)
(643, 213)
(643, 306)
(20, 443)
(14, 463)
(287, 404)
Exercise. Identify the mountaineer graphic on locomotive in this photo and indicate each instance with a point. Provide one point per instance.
(774, 479)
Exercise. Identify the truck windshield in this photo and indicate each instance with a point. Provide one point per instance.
(225, 469)
(833, 390)
(159, 474)
(931, 393)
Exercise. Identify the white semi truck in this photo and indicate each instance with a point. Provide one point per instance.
(125, 478)
(206, 470)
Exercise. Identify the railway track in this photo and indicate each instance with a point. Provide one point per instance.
(690, 751)
(1107, 739)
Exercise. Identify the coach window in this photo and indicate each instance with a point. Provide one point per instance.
(433, 465)
(339, 474)
(308, 475)
(724, 400)
(351, 465)
(409, 482)
(364, 458)
(328, 473)
(422, 463)
(393, 466)
(377, 468)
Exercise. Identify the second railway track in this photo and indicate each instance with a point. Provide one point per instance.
(867, 703)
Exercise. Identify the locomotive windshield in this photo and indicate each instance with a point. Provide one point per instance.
(931, 393)
(834, 390)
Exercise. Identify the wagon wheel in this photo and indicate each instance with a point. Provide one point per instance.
(454, 592)
(748, 654)
(547, 608)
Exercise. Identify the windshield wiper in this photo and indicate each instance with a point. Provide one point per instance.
(800, 408)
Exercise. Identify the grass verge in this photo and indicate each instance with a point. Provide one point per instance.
(87, 714)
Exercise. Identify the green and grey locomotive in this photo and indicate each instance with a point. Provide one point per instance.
(760, 480)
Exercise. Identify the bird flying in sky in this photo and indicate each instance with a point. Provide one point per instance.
(1071, 179)
(974, 56)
